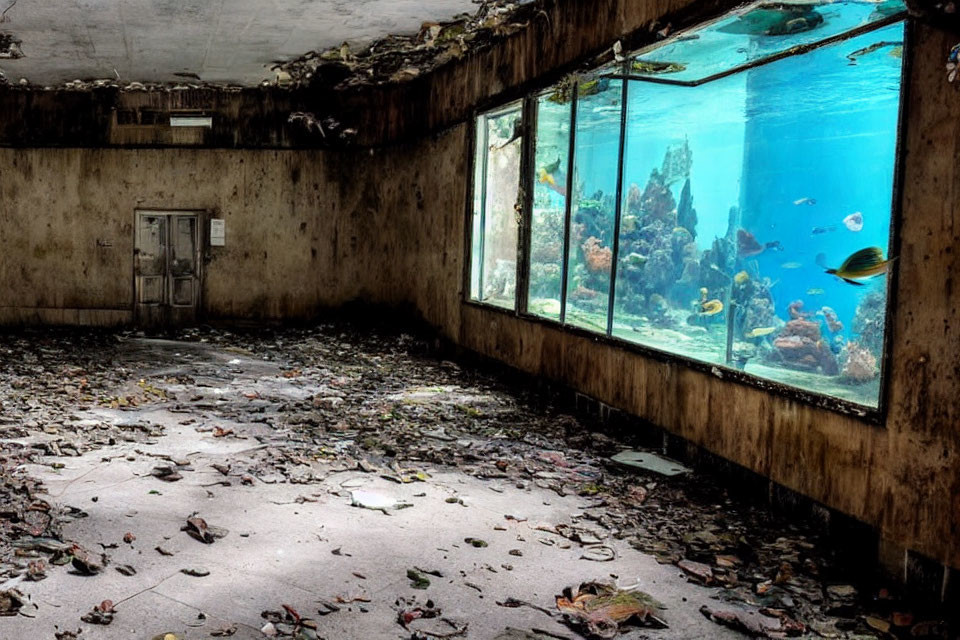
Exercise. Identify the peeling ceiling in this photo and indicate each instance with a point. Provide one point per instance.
(220, 41)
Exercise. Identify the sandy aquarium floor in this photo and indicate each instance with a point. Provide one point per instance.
(342, 483)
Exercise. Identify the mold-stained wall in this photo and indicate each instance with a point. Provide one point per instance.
(67, 231)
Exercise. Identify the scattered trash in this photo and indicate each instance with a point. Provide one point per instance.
(196, 572)
(475, 542)
(11, 601)
(198, 529)
(166, 473)
(756, 622)
(101, 614)
(289, 623)
(697, 571)
(417, 579)
(376, 501)
(599, 553)
(648, 461)
(402, 415)
(86, 562)
(599, 610)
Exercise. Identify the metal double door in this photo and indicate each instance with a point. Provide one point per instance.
(167, 268)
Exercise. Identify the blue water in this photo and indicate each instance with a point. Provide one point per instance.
(819, 129)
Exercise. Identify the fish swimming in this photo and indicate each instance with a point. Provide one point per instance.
(747, 245)
(759, 332)
(551, 176)
(865, 263)
(711, 307)
(815, 292)
(854, 221)
(809, 201)
(791, 265)
(816, 231)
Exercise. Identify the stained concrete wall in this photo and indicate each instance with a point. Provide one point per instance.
(67, 230)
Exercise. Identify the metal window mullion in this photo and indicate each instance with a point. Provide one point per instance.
(527, 168)
(618, 207)
(568, 207)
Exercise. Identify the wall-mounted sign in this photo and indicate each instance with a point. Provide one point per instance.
(218, 233)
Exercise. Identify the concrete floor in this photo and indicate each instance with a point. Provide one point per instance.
(283, 536)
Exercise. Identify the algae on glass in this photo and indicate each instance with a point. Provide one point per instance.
(496, 206)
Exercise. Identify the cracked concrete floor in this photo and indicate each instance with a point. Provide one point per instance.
(295, 539)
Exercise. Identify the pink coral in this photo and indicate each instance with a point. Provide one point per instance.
(859, 365)
(598, 258)
(800, 346)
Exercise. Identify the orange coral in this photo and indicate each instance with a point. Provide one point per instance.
(599, 259)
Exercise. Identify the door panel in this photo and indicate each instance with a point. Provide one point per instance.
(167, 268)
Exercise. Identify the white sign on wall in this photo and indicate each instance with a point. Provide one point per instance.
(218, 233)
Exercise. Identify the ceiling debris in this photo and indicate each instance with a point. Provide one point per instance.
(401, 58)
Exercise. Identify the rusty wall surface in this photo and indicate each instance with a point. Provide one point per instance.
(67, 216)
(902, 477)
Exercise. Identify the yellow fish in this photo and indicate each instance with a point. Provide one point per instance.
(760, 332)
(711, 307)
(865, 263)
(741, 277)
(545, 177)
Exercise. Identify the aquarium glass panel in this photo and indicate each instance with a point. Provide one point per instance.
(551, 166)
(683, 159)
(593, 208)
(754, 32)
(756, 216)
(495, 213)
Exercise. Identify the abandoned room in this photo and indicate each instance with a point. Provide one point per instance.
(491, 319)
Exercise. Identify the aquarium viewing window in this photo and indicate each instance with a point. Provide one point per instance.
(725, 196)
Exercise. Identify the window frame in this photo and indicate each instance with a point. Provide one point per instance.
(865, 413)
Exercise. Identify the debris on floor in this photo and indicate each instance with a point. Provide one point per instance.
(330, 417)
(602, 610)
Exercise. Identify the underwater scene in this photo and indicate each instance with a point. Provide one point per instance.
(754, 209)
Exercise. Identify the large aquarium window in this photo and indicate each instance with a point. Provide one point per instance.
(727, 196)
(496, 207)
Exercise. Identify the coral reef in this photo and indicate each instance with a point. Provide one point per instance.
(858, 365)
(597, 258)
(686, 214)
(652, 248)
(719, 260)
(795, 309)
(830, 317)
(801, 346)
(868, 321)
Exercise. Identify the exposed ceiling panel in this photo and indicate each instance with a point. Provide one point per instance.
(219, 41)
